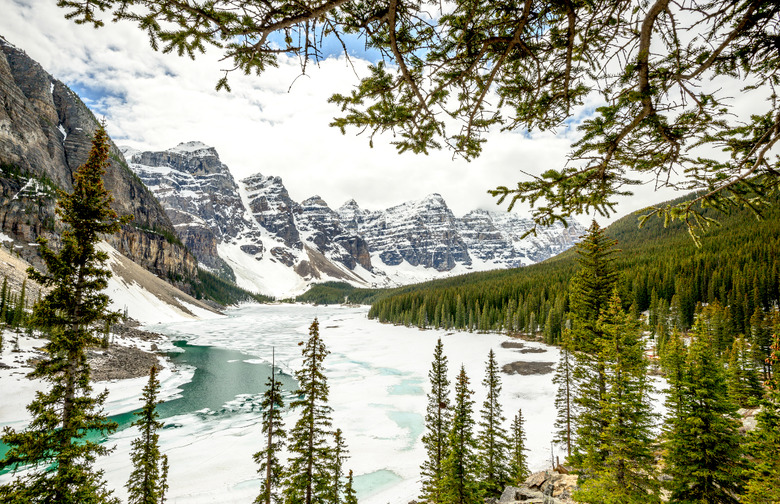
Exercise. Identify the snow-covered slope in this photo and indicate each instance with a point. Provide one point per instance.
(254, 233)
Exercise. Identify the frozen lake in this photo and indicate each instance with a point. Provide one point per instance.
(378, 380)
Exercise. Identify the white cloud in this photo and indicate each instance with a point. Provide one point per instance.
(154, 101)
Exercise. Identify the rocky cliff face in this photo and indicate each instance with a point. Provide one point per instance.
(45, 135)
(255, 228)
(199, 195)
(422, 233)
(497, 237)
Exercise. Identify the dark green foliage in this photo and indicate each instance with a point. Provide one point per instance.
(54, 446)
(621, 469)
(564, 397)
(460, 467)
(591, 288)
(492, 440)
(337, 293)
(737, 266)
(764, 445)
(147, 482)
(13, 307)
(702, 445)
(274, 435)
(446, 74)
(349, 492)
(219, 290)
(438, 418)
(743, 384)
(308, 479)
(518, 462)
(339, 455)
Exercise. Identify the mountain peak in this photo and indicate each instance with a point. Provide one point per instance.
(191, 147)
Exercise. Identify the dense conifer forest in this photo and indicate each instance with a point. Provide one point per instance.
(662, 271)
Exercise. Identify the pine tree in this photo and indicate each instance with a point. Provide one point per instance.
(349, 491)
(19, 312)
(492, 443)
(460, 468)
(591, 287)
(275, 436)
(55, 444)
(4, 300)
(308, 479)
(564, 398)
(590, 293)
(518, 462)
(703, 454)
(146, 483)
(339, 455)
(744, 386)
(437, 421)
(764, 444)
(673, 364)
(626, 473)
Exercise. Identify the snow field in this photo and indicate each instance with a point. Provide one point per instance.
(378, 380)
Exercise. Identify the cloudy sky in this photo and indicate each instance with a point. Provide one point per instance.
(276, 124)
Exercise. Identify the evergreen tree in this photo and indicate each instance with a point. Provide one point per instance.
(55, 444)
(146, 484)
(590, 293)
(308, 479)
(703, 454)
(743, 384)
(19, 312)
(340, 453)
(564, 398)
(275, 436)
(625, 475)
(674, 366)
(591, 287)
(518, 462)
(349, 491)
(460, 468)
(492, 442)
(437, 422)
(764, 444)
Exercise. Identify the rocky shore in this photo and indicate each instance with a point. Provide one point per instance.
(123, 358)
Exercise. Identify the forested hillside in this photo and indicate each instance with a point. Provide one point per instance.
(662, 271)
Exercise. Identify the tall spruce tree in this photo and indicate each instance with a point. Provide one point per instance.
(147, 482)
(492, 440)
(55, 445)
(308, 479)
(273, 430)
(460, 468)
(702, 444)
(564, 397)
(626, 473)
(764, 443)
(339, 455)
(590, 292)
(437, 422)
(350, 497)
(518, 461)
(743, 383)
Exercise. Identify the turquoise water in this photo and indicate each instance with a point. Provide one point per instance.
(369, 484)
(223, 383)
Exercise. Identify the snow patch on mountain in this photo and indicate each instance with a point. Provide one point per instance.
(255, 234)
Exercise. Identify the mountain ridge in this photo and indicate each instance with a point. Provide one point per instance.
(413, 241)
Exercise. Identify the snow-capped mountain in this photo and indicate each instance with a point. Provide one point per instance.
(253, 232)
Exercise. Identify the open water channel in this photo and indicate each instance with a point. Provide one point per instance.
(378, 380)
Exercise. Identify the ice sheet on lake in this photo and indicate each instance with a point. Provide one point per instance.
(378, 380)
